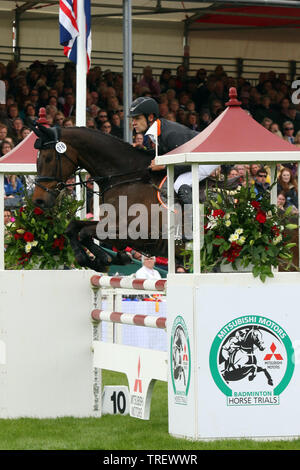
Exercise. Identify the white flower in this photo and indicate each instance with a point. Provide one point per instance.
(227, 223)
(34, 243)
(227, 216)
(277, 240)
(233, 237)
(28, 247)
(242, 240)
(239, 231)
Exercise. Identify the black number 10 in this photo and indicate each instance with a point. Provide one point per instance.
(119, 402)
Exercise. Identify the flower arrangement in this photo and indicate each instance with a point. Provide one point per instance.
(35, 238)
(244, 228)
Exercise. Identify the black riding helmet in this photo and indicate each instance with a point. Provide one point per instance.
(144, 105)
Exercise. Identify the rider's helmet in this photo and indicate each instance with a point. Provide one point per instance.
(144, 105)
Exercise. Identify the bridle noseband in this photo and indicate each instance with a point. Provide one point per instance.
(51, 144)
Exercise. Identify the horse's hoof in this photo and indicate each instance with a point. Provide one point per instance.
(251, 377)
(270, 382)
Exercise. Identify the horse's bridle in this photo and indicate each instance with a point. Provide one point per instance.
(51, 144)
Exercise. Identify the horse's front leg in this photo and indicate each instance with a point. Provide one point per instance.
(86, 237)
(268, 376)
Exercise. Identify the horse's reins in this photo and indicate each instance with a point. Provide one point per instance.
(61, 184)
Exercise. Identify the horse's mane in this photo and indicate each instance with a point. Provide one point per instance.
(125, 146)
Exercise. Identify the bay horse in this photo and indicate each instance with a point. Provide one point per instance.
(120, 170)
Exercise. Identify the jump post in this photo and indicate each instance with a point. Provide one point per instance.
(142, 366)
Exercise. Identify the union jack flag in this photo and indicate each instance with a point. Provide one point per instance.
(68, 29)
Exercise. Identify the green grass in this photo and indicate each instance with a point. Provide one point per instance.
(115, 432)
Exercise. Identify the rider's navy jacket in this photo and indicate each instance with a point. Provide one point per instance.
(173, 135)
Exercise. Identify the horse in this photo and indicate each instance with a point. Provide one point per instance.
(239, 356)
(121, 171)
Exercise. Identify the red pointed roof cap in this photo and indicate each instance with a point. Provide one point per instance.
(24, 153)
(235, 131)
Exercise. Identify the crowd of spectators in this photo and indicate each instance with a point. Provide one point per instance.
(194, 100)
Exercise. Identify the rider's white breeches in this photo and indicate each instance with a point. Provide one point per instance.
(186, 178)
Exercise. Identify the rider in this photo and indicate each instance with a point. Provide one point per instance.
(144, 111)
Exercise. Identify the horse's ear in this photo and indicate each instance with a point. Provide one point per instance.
(34, 129)
(50, 132)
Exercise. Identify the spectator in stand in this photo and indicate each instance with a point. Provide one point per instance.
(266, 122)
(204, 119)
(260, 185)
(5, 147)
(68, 122)
(90, 122)
(192, 121)
(288, 132)
(25, 131)
(14, 190)
(274, 128)
(254, 168)
(101, 117)
(163, 110)
(139, 141)
(3, 132)
(7, 216)
(58, 119)
(164, 79)
(232, 173)
(294, 117)
(106, 127)
(116, 128)
(216, 108)
(265, 110)
(17, 128)
(287, 184)
(30, 115)
(148, 81)
(281, 201)
(147, 271)
(34, 99)
(181, 78)
(68, 107)
(283, 111)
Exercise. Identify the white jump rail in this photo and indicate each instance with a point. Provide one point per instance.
(141, 366)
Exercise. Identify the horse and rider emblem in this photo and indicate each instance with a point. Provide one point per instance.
(239, 355)
(253, 357)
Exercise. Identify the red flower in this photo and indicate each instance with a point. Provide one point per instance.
(218, 213)
(255, 204)
(17, 236)
(28, 237)
(261, 217)
(59, 243)
(22, 209)
(38, 211)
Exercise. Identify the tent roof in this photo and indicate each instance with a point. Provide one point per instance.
(232, 137)
(235, 131)
(21, 158)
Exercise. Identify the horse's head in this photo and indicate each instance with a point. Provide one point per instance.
(55, 163)
(256, 336)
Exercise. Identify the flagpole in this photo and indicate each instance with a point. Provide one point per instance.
(81, 71)
(81, 68)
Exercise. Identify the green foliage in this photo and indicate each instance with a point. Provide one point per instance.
(35, 238)
(243, 227)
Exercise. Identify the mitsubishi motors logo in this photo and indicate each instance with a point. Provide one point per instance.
(277, 356)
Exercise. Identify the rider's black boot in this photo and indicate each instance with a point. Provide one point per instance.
(186, 199)
(185, 194)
